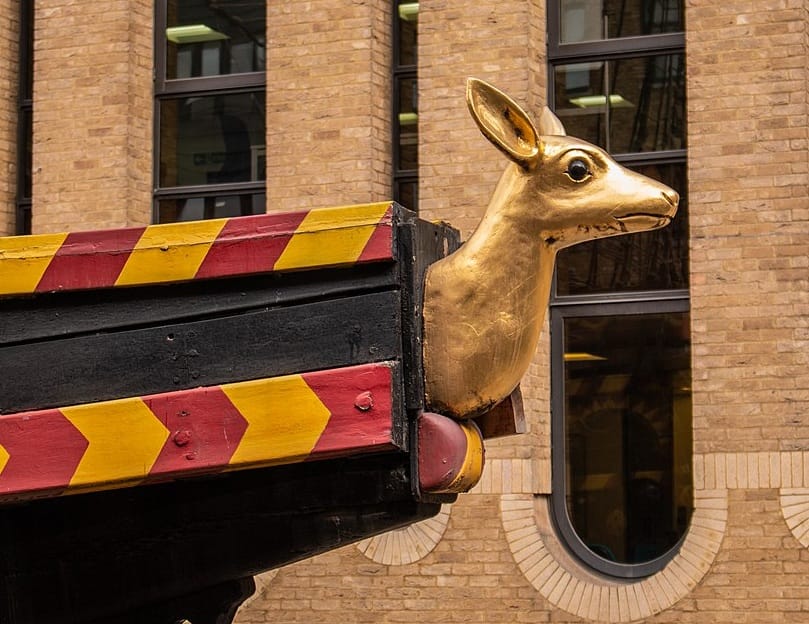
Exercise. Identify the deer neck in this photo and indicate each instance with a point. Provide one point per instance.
(485, 304)
(509, 235)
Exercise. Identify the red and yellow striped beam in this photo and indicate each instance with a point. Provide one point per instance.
(176, 252)
(263, 422)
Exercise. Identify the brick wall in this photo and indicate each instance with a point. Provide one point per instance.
(9, 36)
(92, 114)
(328, 103)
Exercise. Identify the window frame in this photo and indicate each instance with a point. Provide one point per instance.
(619, 303)
(203, 86)
(617, 47)
(399, 74)
(25, 109)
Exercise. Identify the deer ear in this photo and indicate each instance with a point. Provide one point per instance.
(503, 122)
(549, 123)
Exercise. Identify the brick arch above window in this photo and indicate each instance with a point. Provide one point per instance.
(569, 586)
(409, 544)
(795, 508)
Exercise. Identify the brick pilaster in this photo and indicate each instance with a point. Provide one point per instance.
(92, 114)
(328, 103)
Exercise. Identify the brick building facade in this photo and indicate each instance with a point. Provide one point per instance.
(496, 555)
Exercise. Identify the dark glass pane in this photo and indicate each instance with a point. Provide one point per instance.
(656, 260)
(26, 153)
(27, 51)
(215, 37)
(407, 112)
(212, 139)
(212, 207)
(407, 23)
(23, 217)
(406, 192)
(628, 433)
(591, 20)
(645, 110)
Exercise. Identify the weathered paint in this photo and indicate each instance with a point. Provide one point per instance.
(169, 253)
(331, 236)
(240, 425)
(450, 454)
(24, 259)
(176, 252)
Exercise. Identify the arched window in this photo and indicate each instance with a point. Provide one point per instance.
(620, 343)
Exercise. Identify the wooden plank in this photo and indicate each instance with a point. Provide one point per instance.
(266, 342)
(176, 252)
(175, 435)
(64, 314)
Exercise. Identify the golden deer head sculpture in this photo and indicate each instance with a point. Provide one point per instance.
(484, 305)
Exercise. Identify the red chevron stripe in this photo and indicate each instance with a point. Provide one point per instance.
(380, 245)
(44, 450)
(89, 260)
(360, 401)
(250, 244)
(205, 430)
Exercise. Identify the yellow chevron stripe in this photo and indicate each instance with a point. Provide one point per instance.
(170, 253)
(124, 438)
(285, 416)
(4, 457)
(23, 260)
(331, 236)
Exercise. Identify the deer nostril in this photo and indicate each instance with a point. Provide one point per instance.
(672, 197)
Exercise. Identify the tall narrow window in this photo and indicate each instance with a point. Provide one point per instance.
(620, 344)
(209, 109)
(25, 130)
(405, 104)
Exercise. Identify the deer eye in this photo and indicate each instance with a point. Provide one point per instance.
(578, 170)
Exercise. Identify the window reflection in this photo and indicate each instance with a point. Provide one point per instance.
(628, 434)
(620, 331)
(212, 139)
(656, 260)
(408, 124)
(406, 192)
(407, 22)
(405, 104)
(591, 20)
(215, 37)
(645, 110)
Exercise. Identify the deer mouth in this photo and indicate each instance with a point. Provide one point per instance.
(643, 221)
